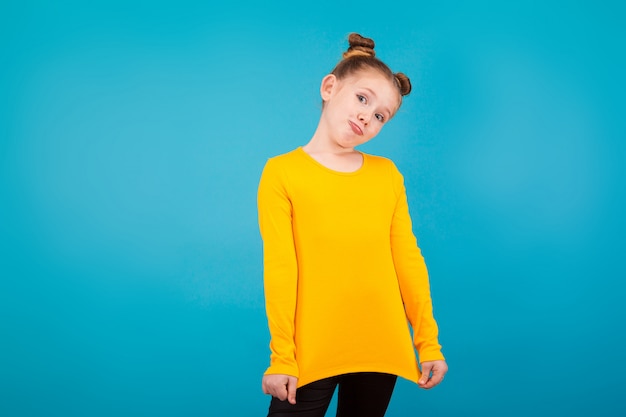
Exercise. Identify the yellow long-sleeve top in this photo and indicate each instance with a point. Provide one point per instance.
(342, 271)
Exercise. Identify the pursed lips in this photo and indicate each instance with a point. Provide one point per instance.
(355, 128)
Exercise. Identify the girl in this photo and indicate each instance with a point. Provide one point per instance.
(342, 269)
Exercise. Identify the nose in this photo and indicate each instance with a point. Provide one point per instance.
(364, 117)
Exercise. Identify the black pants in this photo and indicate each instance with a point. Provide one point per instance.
(363, 394)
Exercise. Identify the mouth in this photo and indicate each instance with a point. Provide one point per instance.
(355, 128)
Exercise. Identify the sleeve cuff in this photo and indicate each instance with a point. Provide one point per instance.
(283, 369)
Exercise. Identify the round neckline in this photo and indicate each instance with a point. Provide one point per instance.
(333, 171)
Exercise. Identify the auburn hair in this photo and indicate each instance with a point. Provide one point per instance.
(360, 56)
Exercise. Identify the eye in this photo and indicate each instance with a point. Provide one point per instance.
(380, 117)
(361, 98)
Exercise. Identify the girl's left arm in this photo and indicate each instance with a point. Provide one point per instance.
(413, 278)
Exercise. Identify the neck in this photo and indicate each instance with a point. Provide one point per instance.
(321, 142)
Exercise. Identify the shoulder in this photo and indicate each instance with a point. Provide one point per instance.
(282, 160)
(277, 167)
(382, 162)
(383, 167)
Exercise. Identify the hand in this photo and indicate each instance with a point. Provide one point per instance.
(280, 386)
(432, 373)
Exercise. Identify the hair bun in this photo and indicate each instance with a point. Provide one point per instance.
(403, 83)
(359, 46)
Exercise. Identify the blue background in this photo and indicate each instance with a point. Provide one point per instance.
(132, 137)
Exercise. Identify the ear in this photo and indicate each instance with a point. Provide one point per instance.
(328, 82)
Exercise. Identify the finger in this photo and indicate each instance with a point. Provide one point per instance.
(291, 390)
(436, 377)
(275, 390)
(426, 370)
(269, 388)
(280, 392)
(438, 372)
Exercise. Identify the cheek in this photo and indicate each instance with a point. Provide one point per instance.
(376, 129)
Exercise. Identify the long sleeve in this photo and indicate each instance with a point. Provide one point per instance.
(413, 277)
(280, 268)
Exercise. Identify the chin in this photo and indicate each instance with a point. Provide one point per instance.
(350, 141)
(348, 144)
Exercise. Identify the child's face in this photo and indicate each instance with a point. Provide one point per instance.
(358, 106)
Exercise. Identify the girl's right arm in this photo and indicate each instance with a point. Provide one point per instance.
(280, 268)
